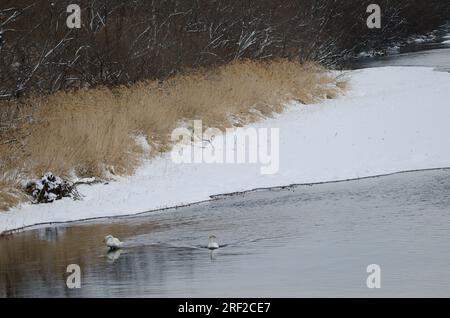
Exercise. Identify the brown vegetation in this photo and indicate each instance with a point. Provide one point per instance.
(91, 132)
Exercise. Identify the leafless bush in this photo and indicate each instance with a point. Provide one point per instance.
(121, 42)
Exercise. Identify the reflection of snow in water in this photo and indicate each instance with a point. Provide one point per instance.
(51, 234)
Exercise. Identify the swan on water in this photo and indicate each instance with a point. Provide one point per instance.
(112, 242)
(212, 245)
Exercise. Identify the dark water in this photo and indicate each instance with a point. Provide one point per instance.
(431, 54)
(302, 241)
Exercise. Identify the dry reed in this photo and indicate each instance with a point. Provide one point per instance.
(91, 132)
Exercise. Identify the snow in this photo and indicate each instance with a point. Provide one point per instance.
(391, 119)
(446, 39)
(49, 188)
(422, 38)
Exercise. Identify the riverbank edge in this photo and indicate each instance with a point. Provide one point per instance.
(324, 137)
(212, 198)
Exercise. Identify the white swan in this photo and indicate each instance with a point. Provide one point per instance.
(212, 245)
(112, 242)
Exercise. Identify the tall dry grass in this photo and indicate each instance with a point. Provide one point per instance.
(92, 132)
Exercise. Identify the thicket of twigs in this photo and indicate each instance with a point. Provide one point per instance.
(121, 42)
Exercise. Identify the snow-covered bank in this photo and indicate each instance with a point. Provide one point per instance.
(391, 119)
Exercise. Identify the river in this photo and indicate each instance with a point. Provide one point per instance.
(306, 240)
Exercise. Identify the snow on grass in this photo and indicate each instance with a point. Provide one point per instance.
(391, 119)
(446, 39)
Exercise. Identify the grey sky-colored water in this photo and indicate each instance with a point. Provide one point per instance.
(300, 241)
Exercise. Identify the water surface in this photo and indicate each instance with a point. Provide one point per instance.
(300, 241)
(431, 54)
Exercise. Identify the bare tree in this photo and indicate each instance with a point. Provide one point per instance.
(121, 42)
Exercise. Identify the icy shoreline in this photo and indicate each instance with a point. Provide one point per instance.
(391, 119)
